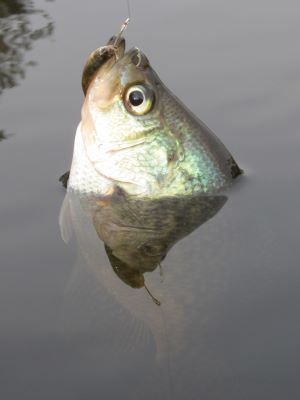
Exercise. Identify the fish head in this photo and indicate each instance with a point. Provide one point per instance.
(122, 101)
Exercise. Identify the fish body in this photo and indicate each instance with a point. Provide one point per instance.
(137, 135)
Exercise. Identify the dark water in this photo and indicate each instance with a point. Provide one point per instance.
(228, 326)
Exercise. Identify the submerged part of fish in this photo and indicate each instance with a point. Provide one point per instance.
(138, 233)
(134, 133)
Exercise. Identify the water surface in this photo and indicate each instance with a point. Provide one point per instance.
(228, 325)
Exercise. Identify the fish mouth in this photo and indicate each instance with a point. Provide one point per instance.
(136, 56)
(99, 57)
(112, 52)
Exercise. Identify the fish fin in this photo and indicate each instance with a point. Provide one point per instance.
(235, 170)
(65, 220)
(64, 179)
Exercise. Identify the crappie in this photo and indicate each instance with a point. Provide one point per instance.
(136, 135)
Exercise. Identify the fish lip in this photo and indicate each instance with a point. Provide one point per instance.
(112, 41)
(114, 49)
(133, 55)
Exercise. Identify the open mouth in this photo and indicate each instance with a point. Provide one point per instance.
(99, 57)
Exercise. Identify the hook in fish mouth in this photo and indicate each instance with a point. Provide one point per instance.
(102, 55)
(115, 47)
(99, 57)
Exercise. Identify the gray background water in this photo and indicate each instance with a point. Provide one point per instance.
(236, 65)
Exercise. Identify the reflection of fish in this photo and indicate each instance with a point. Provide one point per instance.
(137, 234)
(135, 133)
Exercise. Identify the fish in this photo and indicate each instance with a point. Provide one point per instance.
(137, 235)
(136, 135)
(148, 173)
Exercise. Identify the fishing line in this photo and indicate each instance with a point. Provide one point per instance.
(123, 26)
(128, 9)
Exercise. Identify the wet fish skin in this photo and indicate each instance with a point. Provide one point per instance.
(165, 152)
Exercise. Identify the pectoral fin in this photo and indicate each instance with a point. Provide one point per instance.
(64, 179)
(65, 220)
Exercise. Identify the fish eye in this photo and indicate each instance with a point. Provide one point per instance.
(139, 99)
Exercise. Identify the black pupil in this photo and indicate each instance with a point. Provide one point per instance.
(136, 98)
